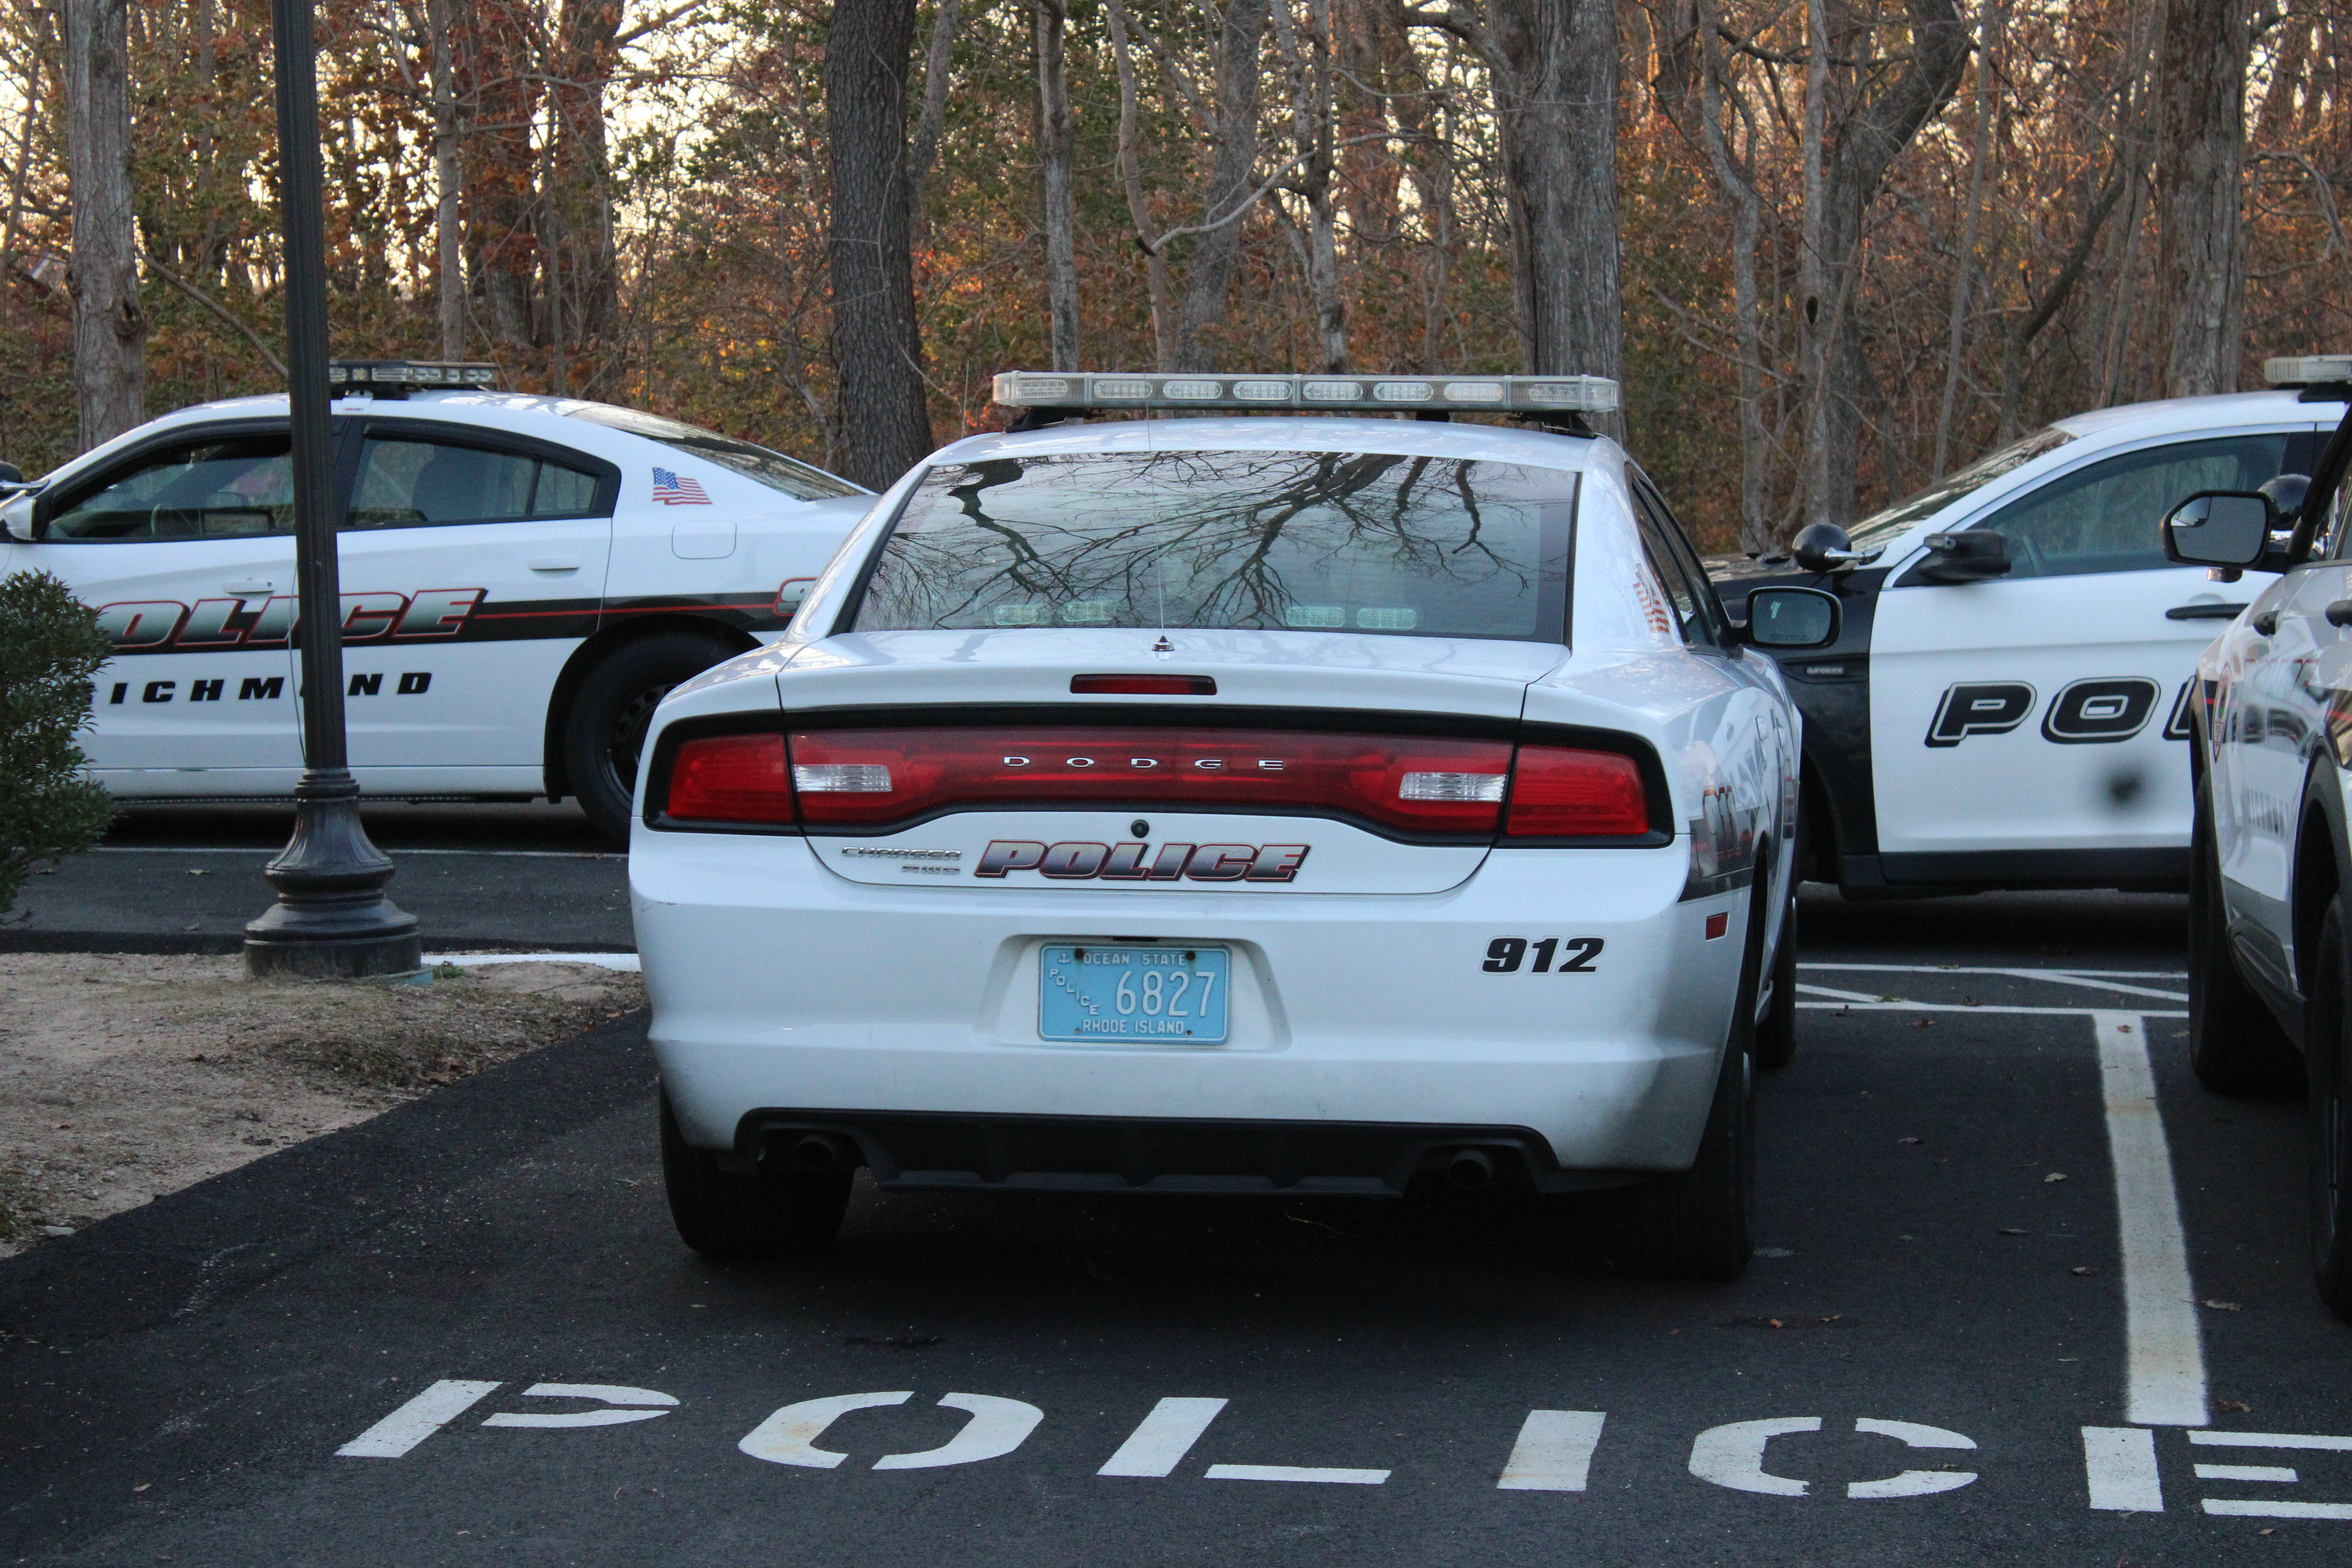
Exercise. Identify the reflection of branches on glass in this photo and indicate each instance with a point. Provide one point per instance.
(1219, 539)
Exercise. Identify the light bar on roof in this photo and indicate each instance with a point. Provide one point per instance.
(2308, 370)
(409, 373)
(1388, 394)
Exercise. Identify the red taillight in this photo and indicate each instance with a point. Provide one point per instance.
(1558, 793)
(1412, 783)
(1145, 685)
(730, 778)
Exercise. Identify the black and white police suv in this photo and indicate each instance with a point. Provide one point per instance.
(2007, 702)
(1270, 805)
(522, 578)
(2270, 896)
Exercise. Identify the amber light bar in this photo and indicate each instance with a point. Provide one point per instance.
(1326, 394)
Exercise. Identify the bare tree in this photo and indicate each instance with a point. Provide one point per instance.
(2200, 169)
(877, 347)
(1870, 137)
(1315, 127)
(448, 177)
(1554, 64)
(1055, 197)
(110, 326)
(1240, 30)
(1139, 204)
(938, 61)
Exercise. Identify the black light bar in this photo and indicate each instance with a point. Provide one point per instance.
(410, 375)
(1522, 394)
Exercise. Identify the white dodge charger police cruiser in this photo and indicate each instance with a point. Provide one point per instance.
(522, 578)
(2270, 897)
(2008, 704)
(1268, 804)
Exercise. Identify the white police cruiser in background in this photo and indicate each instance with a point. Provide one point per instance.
(522, 578)
(2008, 704)
(2268, 910)
(1268, 804)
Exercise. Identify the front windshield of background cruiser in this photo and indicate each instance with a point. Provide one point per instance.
(1273, 540)
(1880, 527)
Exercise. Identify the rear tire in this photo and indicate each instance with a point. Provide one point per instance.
(2328, 1029)
(605, 732)
(2235, 1046)
(1776, 1032)
(1695, 1223)
(772, 1213)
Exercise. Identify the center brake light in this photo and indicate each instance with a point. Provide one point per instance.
(1416, 786)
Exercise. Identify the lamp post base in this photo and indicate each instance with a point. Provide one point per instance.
(331, 921)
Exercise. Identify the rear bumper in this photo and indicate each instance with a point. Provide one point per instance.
(1364, 1028)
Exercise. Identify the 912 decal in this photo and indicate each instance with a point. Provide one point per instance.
(1510, 955)
(2097, 711)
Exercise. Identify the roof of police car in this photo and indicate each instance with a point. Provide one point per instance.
(440, 400)
(1278, 433)
(2165, 415)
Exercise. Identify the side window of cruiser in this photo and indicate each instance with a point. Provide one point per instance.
(409, 483)
(2107, 517)
(1678, 569)
(218, 487)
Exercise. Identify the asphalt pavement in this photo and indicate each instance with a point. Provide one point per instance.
(2025, 1294)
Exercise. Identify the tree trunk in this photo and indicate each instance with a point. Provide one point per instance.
(500, 85)
(448, 226)
(1738, 179)
(1240, 30)
(110, 328)
(1139, 205)
(580, 193)
(1558, 113)
(1964, 268)
(1313, 126)
(937, 66)
(2199, 163)
(886, 424)
(1872, 138)
(1055, 196)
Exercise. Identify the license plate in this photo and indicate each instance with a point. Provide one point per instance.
(1127, 992)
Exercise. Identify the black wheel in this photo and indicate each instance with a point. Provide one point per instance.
(2328, 1028)
(606, 730)
(1776, 1032)
(1695, 1225)
(2235, 1046)
(774, 1213)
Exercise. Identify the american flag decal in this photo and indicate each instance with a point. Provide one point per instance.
(671, 490)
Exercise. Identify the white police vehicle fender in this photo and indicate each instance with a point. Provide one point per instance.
(1250, 805)
(523, 577)
(2007, 706)
(2269, 961)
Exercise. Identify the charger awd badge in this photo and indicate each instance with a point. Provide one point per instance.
(1083, 860)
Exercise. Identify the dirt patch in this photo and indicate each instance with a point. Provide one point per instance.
(123, 1077)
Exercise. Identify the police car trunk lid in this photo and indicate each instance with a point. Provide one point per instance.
(1125, 763)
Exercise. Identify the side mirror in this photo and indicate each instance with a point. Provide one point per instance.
(1824, 547)
(10, 474)
(1971, 555)
(1792, 618)
(2220, 528)
(16, 517)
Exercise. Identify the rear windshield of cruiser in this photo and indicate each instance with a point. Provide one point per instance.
(1257, 541)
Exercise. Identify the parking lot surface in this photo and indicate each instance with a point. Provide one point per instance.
(2025, 1294)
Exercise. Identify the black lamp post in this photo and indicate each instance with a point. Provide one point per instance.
(332, 917)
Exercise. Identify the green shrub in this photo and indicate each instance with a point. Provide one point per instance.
(49, 647)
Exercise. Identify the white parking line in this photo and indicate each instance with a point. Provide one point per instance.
(1852, 1001)
(1554, 1453)
(623, 962)
(2164, 1358)
(1296, 1473)
(2021, 973)
(1159, 1445)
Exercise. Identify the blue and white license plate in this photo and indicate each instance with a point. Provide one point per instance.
(1130, 992)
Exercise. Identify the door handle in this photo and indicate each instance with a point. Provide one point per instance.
(556, 564)
(2339, 614)
(249, 587)
(2204, 612)
(2267, 623)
